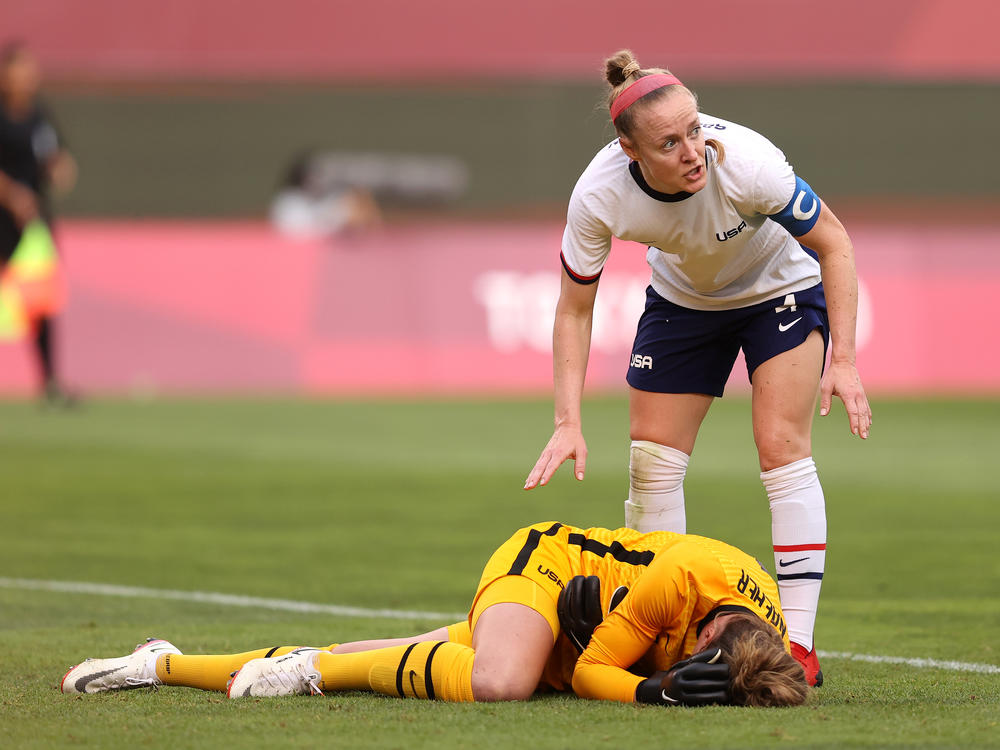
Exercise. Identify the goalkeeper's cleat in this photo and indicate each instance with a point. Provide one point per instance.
(136, 670)
(291, 674)
(810, 663)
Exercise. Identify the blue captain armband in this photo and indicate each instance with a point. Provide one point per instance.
(802, 211)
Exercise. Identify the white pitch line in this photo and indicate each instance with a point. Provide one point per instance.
(290, 605)
(951, 666)
(232, 600)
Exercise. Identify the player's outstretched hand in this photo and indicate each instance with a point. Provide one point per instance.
(566, 442)
(842, 379)
(699, 681)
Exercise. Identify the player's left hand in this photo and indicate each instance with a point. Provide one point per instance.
(698, 681)
(579, 609)
(841, 379)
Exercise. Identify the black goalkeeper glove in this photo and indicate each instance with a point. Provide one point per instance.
(699, 681)
(580, 610)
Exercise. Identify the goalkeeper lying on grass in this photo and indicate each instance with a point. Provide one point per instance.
(619, 615)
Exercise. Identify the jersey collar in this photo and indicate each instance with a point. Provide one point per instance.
(722, 609)
(633, 168)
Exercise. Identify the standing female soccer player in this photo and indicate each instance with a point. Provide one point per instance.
(738, 246)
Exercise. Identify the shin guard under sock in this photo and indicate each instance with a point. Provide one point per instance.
(430, 669)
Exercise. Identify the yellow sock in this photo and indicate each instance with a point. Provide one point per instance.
(208, 672)
(431, 669)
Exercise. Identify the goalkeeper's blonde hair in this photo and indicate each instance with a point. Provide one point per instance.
(761, 672)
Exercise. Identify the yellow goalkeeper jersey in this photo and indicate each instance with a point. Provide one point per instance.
(674, 581)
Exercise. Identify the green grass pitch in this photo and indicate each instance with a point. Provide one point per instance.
(397, 504)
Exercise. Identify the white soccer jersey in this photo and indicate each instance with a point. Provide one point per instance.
(712, 250)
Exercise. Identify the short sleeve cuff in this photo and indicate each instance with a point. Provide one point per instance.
(578, 278)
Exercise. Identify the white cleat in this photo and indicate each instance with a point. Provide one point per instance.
(136, 670)
(291, 674)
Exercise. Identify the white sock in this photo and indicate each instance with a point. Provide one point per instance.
(656, 488)
(798, 533)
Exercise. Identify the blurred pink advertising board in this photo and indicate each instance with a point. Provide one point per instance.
(399, 40)
(445, 308)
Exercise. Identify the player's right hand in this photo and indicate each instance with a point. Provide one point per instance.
(700, 680)
(21, 202)
(566, 442)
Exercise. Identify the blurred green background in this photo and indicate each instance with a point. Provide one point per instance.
(220, 150)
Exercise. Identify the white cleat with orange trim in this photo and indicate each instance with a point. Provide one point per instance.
(136, 670)
(291, 674)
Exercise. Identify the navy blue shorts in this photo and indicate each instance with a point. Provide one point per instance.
(679, 350)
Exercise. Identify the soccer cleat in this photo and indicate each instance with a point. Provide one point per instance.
(138, 669)
(291, 674)
(810, 663)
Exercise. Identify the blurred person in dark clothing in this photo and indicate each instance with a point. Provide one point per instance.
(33, 160)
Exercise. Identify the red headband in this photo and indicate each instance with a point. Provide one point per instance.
(639, 89)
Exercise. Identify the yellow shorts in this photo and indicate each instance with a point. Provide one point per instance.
(530, 568)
